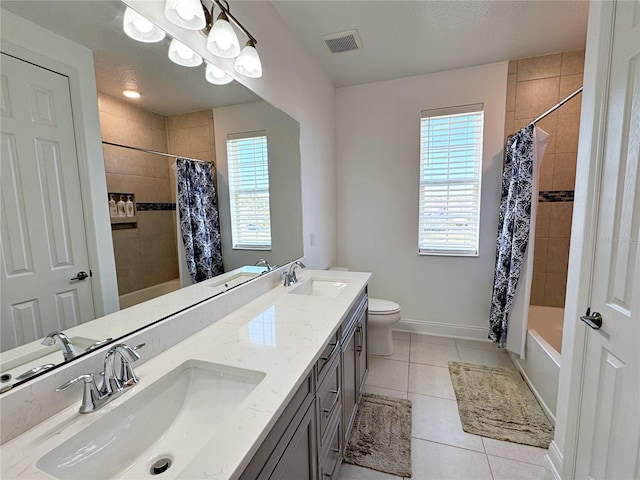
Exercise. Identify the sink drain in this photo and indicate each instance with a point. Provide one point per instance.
(160, 466)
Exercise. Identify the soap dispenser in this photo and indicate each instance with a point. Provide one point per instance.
(113, 209)
(121, 208)
(129, 206)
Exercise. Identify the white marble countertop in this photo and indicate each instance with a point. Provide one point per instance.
(279, 334)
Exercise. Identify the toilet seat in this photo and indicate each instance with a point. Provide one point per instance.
(378, 306)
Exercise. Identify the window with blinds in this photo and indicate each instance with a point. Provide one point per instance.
(450, 173)
(248, 165)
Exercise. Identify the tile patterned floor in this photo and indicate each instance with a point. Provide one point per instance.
(441, 450)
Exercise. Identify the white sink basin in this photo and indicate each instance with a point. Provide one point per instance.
(320, 287)
(171, 419)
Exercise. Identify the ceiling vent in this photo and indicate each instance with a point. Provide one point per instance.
(343, 41)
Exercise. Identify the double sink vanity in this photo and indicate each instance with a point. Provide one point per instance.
(267, 391)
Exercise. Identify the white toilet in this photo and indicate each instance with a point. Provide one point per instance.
(383, 316)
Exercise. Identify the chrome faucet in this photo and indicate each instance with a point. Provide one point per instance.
(290, 277)
(116, 378)
(68, 351)
(263, 263)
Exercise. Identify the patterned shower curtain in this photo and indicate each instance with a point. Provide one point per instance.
(513, 229)
(199, 223)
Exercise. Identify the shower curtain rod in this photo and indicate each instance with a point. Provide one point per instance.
(555, 107)
(155, 153)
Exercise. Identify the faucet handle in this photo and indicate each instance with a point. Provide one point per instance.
(127, 376)
(87, 378)
(90, 394)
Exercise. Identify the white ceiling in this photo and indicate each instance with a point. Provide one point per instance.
(403, 38)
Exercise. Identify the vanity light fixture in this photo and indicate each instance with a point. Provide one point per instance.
(182, 55)
(185, 13)
(131, 93)
(248, 62)
(222, 40)
(139, 28)
(216, 75)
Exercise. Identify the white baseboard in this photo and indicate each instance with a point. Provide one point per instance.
(554, 460)
(442, 329)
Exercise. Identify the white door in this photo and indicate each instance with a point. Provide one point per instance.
(42, 228)
(609, 424)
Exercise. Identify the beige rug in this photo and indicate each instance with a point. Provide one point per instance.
(495, 402)
(381, 435)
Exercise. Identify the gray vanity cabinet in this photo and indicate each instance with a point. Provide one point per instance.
(354, 362)
(307, 442)
(290, 450)
(298, 461)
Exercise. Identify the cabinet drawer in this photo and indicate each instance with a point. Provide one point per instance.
(273, 446)
(331, 456)
(352, 317)
(329, 397)
(328, 353)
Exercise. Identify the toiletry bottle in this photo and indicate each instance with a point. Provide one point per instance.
(121, 208)
(129, 206)
(113, 209)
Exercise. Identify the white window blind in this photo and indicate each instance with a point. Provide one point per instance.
(450, 172)
(248, 163)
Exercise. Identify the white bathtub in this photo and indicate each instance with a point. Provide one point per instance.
(139, 296)
(541, 365)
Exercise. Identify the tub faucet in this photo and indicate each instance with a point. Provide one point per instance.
(290, 277)
(68, 351)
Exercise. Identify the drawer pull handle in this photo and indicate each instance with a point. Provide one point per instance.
(327, 475)
(327, 411)
(335, 450)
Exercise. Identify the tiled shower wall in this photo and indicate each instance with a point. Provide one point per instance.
(145, 252)
(534, 85)
(191, 135)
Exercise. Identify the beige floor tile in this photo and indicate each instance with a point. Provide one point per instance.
(400, 351)
(385, 391)
(401, 335)
(505, 469)
(485, 357)
(481, 344)
(387, 373)
(430, 380)
(515, 451)
(433, 354)
(353, 472)
(434, 461)
(422, 338)
(437, 420)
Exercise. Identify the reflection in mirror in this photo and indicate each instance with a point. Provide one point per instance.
(179, 114)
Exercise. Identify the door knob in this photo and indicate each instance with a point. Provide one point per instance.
(594, 320)
(81, 276)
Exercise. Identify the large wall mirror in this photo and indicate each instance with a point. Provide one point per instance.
(179, 114)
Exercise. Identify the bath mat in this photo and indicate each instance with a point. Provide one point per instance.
(495, 402)
(381, 435)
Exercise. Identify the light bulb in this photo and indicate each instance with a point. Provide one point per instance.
(222, 40)
(139, 28)
(248, 62)
(185, 13)
(185, 53)
(217, 76)
(182, 55)
(143, 25)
